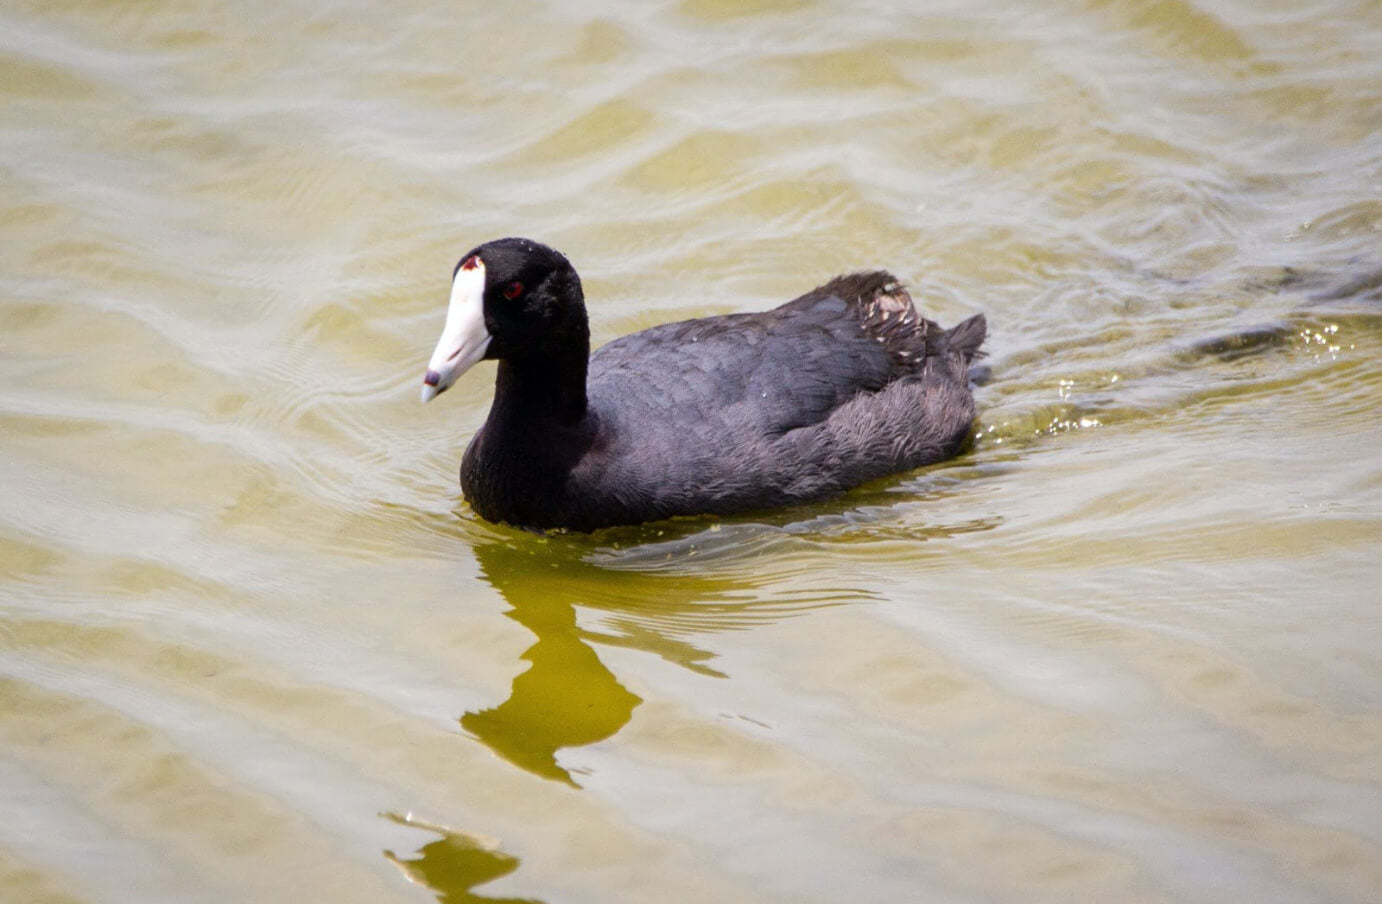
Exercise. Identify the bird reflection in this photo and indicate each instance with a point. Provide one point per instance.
(454, 864)
(567, 697)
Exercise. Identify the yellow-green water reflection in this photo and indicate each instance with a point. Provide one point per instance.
(454, 864)
(567, 697)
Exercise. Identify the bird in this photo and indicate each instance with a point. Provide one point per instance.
(719, 415)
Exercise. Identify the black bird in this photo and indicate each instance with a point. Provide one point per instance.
(735, 413)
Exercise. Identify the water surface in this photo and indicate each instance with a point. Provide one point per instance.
(254, 646)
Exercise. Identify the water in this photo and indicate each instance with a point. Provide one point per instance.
(253, 647)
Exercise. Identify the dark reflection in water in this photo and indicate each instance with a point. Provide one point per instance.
(454, 864)
(567, 697)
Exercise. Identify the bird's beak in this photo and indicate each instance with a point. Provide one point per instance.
(464, 339)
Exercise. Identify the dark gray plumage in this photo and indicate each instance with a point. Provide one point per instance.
(843, 385)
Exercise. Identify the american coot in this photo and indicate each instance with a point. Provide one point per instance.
(736, 413)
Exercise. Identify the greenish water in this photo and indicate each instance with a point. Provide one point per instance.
(254, 647)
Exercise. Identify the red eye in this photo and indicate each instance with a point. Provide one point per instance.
(513, 290)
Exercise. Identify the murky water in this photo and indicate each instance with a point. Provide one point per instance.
(253, 647)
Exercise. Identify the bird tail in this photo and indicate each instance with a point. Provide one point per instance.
(968, 336)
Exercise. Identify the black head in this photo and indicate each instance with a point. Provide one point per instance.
(511, 299)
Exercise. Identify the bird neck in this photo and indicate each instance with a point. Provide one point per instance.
(547, 387)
